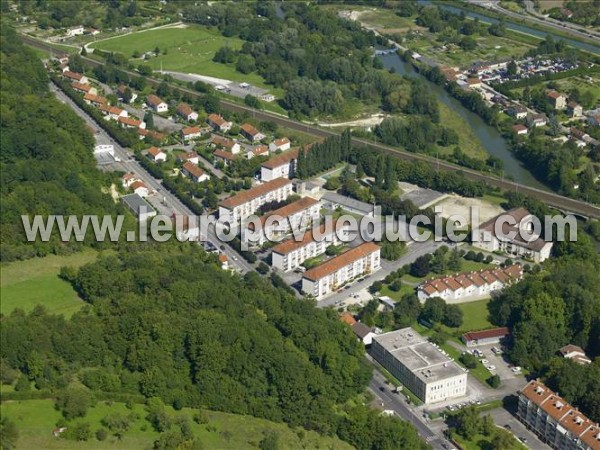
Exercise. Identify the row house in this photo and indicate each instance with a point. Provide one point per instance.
(85, 88)
(131, 122)
(112, 112)
(95, 100)
(469, 286)
(246, 203)
(75, 76)
(334, 273)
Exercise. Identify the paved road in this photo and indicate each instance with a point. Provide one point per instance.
(160, 123)
(539, 19)
(550, 198)
(128, 164)
(396, 402)
(189, 147)
(503, 417)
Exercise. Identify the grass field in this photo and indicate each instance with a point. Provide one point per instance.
(26, 284)
(189, 49)
(476, 315)
(469, 142)
(35, 420)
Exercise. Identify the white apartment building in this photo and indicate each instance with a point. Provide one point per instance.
(298, 215)
(334, 273)
(419, 365)
(556, 423)
(280, 166)
(467, 287)
(290, 254)
(245, 203)
(537, 250)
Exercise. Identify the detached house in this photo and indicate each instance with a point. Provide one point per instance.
(223, 156)
(128, 179)
(74, 76)
(520, 129)
(282, 144)
(186, 112)
(189, 156)
(557, 100)
(156, 104)
(574, 109)
(537, 120)
(194, 173)
(130, 122)
(156, 154)
(139, 188)
(517, 111)
(190, 133)
(225, 143)
(122, 94)
(251, 133)
(258, 150)
(218, 123)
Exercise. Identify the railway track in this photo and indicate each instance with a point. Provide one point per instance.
(564, 204)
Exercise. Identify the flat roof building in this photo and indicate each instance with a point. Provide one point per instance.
(138, 206)
(430, 374)
(333, 200)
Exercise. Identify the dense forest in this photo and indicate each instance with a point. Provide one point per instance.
(165, 321)
(46, 153)
(559, 305)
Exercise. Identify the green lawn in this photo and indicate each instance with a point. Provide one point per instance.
(26, 284)
(475, 316)
(190, 49)
(469, 142)
(397, 295)
(35, 420)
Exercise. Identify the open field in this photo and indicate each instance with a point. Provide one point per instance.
(476, 316)
(455, 204)
(468, 141)
(26, 284)
(35, 420)
(189, 49)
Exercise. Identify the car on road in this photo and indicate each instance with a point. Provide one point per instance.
(516, 369)
(508, 427)
(523, 439)
(347, 286)
(381, 388)
(490, 367)
(484, 361)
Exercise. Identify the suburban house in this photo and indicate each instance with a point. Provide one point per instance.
(189, 156)
(75, 31)
(334, 273)
(95, 100)
(280, 166)
(121, 90)
(364, 333)
(520, 129)
(251, 133)
(189, 133)
(218, 123)
(258, 150)
(466, 287)
(290, 254)
(575, 353)
(128, 179)
(156, 154)
(194, 173)
(554, 421)
(155, 135)
(574, 109)
(131, 122)
(485, 337)
(156, 104)
(517, 111)
(224, 261)
(282, 144)
(186, 112)
(85, 88)
(225, 143)
(112, 112)
(139, 188)
(347, 318)
(537, 120)
(536, 249)
(297, 215)
(419, 365)
(557, 100)
(246, 203)
(74, 76)
(223, 156)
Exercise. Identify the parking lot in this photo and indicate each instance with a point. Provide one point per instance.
(500, 366)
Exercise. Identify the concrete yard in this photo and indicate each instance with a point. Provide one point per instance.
(456, 205)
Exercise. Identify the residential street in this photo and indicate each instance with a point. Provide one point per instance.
(128, 164)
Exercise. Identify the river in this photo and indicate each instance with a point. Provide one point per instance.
(587, 46)
(490, 137)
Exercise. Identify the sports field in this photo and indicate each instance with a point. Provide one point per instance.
(26, 284)
(189, 49)
(35, 420)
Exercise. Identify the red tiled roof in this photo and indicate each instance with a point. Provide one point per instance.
(554, 95)
(95, 99)
(290, 245)
(348, 318)
(280, 142)
(292, 208)
(187, 156)
(281, 159)
(486, 334)
(255, 192)
(335, 264)
(190, 130)
(216, 119)
(81, 87)
(137, 184)
(222, 141)
(193, 169)
(154, 151)
(153, 134)
(260, 150)
(224, 154)
(130, 121)
(184, 109)
(249, 129)
(73, 75)
(154, 100)
(518, 127)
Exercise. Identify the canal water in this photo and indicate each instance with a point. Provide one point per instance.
(490, 137)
